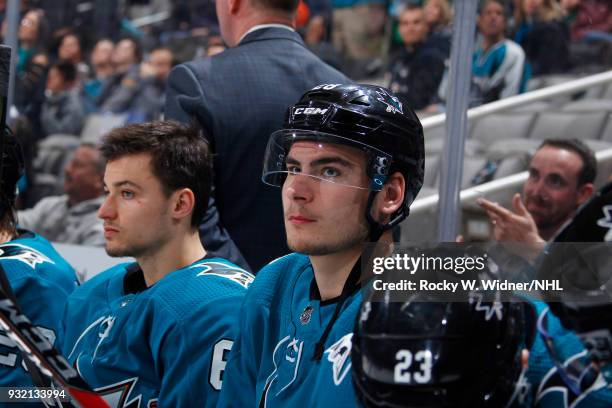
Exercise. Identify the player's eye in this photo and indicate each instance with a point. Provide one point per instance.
(128, 195)
(330, 172)
(292, 168)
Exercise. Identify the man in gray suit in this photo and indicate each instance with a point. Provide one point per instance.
(239, 98)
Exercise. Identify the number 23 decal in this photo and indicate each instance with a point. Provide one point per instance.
(404, 359)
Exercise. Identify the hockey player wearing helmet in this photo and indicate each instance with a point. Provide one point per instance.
(424, 351)
(38, 276)
(349, 161)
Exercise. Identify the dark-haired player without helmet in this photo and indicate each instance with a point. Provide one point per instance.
(155, 332)
(349, 161)
(38, 276)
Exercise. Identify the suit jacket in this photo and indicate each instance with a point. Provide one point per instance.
(240, 97)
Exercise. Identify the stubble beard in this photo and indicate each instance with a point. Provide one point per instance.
(347, 240)
(134, 251)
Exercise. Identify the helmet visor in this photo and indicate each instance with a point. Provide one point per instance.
(317, 155)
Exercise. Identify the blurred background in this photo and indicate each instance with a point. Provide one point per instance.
(84, 67)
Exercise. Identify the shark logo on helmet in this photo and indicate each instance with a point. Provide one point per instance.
(393, 103)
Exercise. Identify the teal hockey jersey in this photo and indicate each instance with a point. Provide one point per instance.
(548, 387)
(165, 345)
(41, 280)
(271, 364)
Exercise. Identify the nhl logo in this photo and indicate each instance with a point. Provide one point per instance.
(306, 314)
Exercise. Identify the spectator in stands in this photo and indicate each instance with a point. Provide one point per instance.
(415, 70)
(589, 19)
(30, 90)
(70, 49)
(498, 65)
(102, 58)
(102, 66)
(543, 36)
(193, 15)
(438, 15)
(123, 86)
(154, 74)
(561, 176)
(71, 218)
(62, 110)
(316, 38)
(240, 97)
(32, 34)
(22, 130)
(358, 28)
(31, 65)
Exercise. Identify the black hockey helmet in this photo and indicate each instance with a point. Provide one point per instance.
(427, 352)
(366, 117)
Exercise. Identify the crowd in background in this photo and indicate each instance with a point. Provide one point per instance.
(80, 58)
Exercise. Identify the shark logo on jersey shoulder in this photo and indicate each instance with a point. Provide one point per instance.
(23, 253)
(231, 272)
(393, 103)
(338, 354)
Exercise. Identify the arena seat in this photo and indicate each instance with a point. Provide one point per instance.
(435, 146)
(54, 152)
(588, 105)
(97, 125)
(566, 125)
(606, 134)
(502, 126)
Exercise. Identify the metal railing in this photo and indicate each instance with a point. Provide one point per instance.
(566, 88)
(151, 19)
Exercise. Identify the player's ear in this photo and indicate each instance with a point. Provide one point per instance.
(585, 192)
(390, 198)
(234, 5)
(182, 202)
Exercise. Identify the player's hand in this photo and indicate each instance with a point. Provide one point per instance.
(511, 226)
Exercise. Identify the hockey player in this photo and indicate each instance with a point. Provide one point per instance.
(424, 352)
(37, 275)
(349, 160)
(579, 257)
(155, 332)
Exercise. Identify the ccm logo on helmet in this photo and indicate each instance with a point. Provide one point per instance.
(310, 111)
(327, 87)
